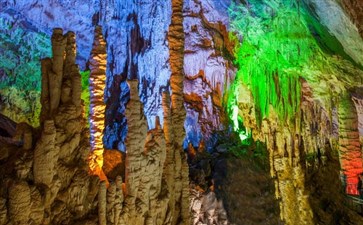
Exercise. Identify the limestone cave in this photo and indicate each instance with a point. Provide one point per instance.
(181, 112)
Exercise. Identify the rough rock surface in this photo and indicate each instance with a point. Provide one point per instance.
(47, 182)
(208, 55)
(332, 15)
(97, 64)
(355, 11)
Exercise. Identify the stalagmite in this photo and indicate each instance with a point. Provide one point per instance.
(102, 203)
(70, 49)
(137, 130)
(119, 198)
(76, 87)
(97, 85)
(56, 74)
(19, 203)
(52, 185)
(72, 71)
(110, 206)
(46, 65)
(46, 155)
(176, 51)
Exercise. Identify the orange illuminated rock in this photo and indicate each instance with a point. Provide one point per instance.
(175, 152)
(97, 64)
(113, 163)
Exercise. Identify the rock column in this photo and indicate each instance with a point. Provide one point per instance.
(135, 159)
(97, 85)
(178, 114)
(56, 74)
(349, 144)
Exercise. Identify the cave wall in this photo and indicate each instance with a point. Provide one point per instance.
(138, 48)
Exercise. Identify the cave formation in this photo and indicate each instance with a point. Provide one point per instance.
(200, 112)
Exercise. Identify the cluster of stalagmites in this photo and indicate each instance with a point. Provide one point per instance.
(45, 180)
(154, 176)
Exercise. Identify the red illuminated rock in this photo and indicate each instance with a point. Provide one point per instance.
(349, 144)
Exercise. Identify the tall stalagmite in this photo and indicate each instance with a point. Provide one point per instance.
(97, 64)
(147, 200)
(137, 129)
(176, 50)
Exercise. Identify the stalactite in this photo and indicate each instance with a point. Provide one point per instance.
(288, 173)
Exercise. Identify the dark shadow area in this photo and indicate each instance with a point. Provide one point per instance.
(239, 176)
(328, 201)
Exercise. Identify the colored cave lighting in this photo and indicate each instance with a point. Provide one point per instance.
(276, 45)
(280, 44)
(237, 125)
(97, 83)
(85, 93)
